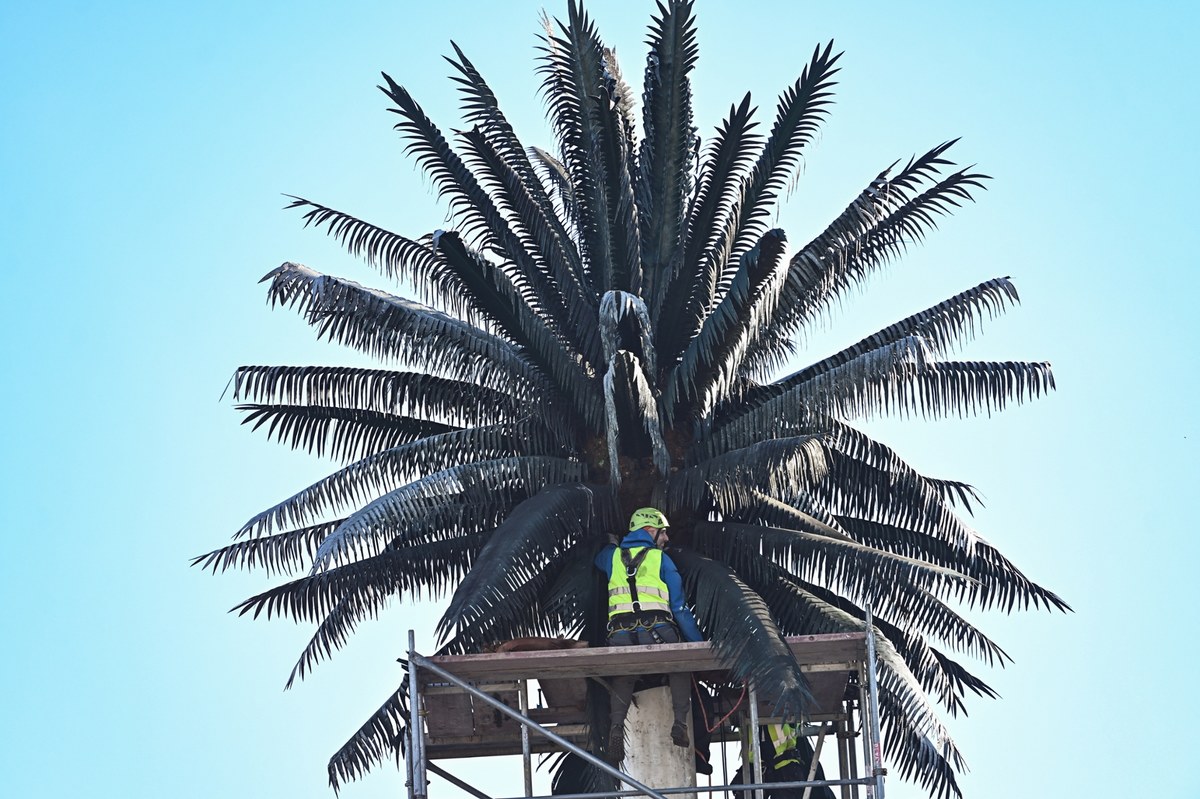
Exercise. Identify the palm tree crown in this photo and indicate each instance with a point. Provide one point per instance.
(601, 330)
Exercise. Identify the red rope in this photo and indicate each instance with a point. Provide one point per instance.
(725, 718)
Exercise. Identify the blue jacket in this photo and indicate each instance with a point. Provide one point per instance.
(669, 574)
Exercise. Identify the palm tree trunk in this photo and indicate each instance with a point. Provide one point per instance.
(650, 757)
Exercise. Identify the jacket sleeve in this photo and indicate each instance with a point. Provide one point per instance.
(683, 616)
(603, 560)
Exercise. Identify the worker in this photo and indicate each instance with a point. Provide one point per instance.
(645, 606)
(787, 757)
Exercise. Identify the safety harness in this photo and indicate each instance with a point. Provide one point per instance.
(639, 597)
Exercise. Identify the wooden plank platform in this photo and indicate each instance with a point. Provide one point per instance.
(813, 652)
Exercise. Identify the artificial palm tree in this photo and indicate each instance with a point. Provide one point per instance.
(601, 330)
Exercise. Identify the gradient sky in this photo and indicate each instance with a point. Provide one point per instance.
(145, 151)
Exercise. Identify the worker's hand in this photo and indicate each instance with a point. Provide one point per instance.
(613, 539)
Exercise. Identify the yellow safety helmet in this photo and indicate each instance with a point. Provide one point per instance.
(647, 517)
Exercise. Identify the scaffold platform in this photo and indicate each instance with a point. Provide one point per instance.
(480, 706)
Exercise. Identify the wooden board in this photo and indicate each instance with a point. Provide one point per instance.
(834, 651)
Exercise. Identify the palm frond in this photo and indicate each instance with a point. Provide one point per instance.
(761, 508)
(390, 327)
(906, 591)
(743, 632)
(280, 553)
(551, 264)
(392, 254)
(938, 329)
(998, 583)
(634, 428)
(573, 70)
(915, 738)
(916, 741)
(823, 270)
(492, 481)
(890, 491)
(427, 396)
(554, 174)
(346, 434)
(804, 610)
(696, 266)
(968, 388)
(481, 108)
(619, 311)
(382, 472)
(537, 530)
(381, 736)
(576, 596)
(815, 557)
(899, 379)
(423, 568)
(956, 492)
(616, 150)
(666, 155)
(779, 467)
(470, 206)
(521, 324)
(710, 362)
(525, 610)
(434, 399)
(877, 483)
(801, 110)
(574, 775)
(939, 675)
(856, 383)
(400, 572)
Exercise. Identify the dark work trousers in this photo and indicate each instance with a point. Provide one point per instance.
(662, 632)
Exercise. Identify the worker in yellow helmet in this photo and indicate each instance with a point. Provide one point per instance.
(646, 606)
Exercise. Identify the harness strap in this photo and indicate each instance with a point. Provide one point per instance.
(632, 564)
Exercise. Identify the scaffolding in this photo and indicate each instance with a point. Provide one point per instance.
(478, 705)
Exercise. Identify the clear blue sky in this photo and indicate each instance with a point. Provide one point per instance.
(144, 150)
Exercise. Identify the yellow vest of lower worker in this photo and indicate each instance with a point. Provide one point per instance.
(652, 592)
(784, 740)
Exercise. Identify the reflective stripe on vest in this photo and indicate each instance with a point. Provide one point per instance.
(785, 738)
(652, 592)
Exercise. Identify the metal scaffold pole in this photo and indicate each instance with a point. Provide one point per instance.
(877, 769)
(864, 730)
(526, 759)
(416, 737)
(755, 750)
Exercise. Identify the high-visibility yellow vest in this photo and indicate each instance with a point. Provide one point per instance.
(652, 594)
(785, 738)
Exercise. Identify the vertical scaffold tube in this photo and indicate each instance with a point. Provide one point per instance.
(416, 740)
(755, 749)
(864, 729)
(526, 758)
(873, 688)
(844, 749)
